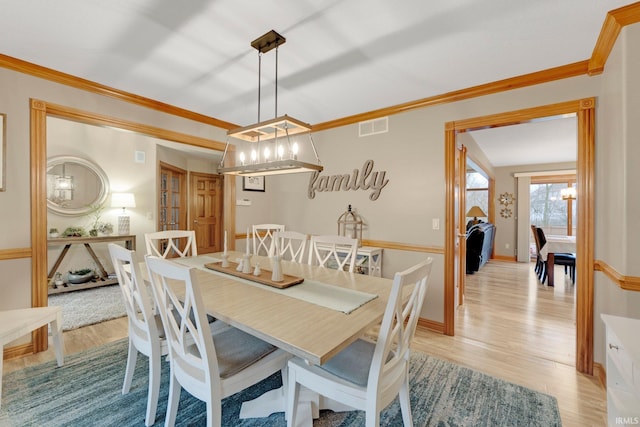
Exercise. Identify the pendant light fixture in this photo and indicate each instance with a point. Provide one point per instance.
(266, 148)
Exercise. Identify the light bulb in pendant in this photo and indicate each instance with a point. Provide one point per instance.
(267, 153)
(280, 151)
(294, 150)
(242, 158)
(254, 156)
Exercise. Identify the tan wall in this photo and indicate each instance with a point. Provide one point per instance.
(411, 153)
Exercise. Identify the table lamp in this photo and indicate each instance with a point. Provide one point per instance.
(475, 212)
(123, 200)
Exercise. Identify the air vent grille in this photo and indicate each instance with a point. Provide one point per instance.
(374, 127)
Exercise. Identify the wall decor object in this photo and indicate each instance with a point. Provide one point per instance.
(364, 179)
(3, 144)
(506, 213)
(350, 225)
(506, 199)
(75, 186)
(253, 183)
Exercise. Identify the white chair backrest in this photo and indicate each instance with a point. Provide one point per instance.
(391, 355)
(185, 324)
(263, 236)
(138, 301)
(291, 245)
(333, 251)
(171, 243)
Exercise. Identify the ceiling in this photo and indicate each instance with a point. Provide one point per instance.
(548, 140)
(341, 57)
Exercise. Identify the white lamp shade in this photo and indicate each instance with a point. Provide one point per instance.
(123, 200)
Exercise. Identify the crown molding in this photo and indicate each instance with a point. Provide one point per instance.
(45, 73)
(613, 24)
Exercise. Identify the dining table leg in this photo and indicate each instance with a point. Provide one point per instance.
(550, 269)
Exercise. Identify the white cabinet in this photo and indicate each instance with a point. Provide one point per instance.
(369, 261)
(623, 370)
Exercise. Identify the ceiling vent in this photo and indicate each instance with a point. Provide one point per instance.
(373, 127)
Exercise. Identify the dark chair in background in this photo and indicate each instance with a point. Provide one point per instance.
(540, 265)
(480, 239)
(568, 260)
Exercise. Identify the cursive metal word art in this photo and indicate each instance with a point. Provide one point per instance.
(363, 179)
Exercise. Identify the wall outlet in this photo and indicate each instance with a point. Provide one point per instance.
(435, 223)
(507, 246)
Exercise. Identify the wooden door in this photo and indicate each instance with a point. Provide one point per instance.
(460, 188)
(172, 198)
(205, 211)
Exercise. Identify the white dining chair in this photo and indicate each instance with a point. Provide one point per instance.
(146, 334)
(263, 236)
(171, 243)
(333, 251)
(291, 245)
(215, 366)
(369, 375)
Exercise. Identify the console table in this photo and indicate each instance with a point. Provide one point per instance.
(103, 278)
(368, 260)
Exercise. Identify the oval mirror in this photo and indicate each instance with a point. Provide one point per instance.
(75, 185)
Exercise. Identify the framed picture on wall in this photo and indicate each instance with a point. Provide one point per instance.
(253, 183)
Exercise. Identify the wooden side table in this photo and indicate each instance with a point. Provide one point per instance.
(103, 279)
(16, 323)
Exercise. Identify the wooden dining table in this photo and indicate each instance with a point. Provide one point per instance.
(310, 330)
(556, 244)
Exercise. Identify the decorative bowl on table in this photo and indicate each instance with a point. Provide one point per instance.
(80, 276)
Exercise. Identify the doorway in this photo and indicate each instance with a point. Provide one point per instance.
(585, 111)
(40, 110)
(205, 211)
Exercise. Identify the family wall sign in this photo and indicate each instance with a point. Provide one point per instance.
(363, 179)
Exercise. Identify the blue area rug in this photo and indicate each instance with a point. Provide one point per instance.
(86, 391)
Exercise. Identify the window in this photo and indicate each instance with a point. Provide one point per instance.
(477, 191)
(549, 210)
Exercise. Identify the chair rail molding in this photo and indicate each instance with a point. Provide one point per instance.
(628, 283)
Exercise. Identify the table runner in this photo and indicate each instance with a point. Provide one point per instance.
(312, 291)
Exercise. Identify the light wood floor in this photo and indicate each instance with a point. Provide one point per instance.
(510, 326)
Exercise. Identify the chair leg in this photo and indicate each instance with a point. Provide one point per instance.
(214, 413)
(293, 394)
(372, 415)
(154, 389)
(172, 404)
(405, 403)
(131, 367)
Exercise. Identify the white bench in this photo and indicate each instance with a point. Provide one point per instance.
(17, 323)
